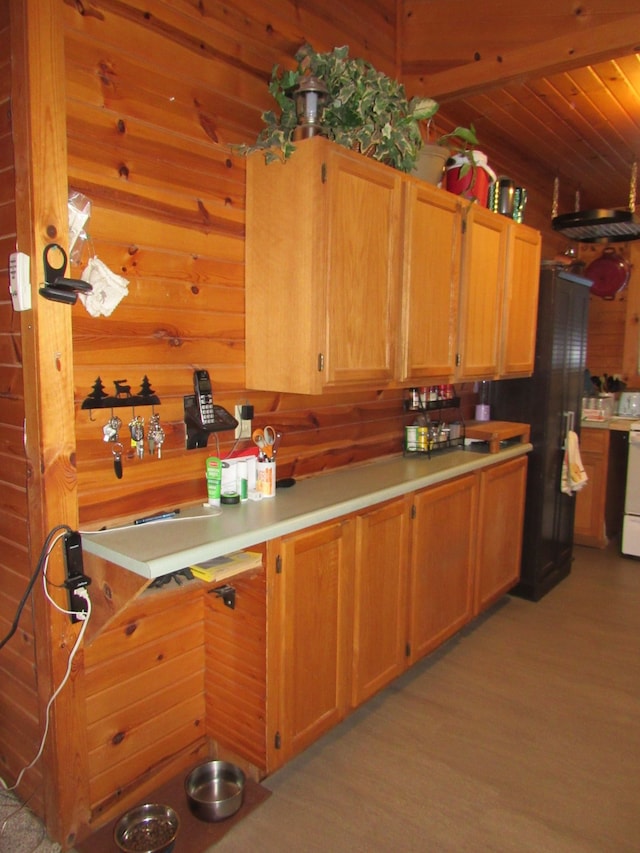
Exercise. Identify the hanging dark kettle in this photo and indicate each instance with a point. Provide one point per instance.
(609, 274)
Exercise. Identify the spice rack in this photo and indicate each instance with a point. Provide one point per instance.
(428, 436)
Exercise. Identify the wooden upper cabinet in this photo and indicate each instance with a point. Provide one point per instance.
(323, 270)
(358, 275)
(484, 256)
(521, 302)
(427, 347)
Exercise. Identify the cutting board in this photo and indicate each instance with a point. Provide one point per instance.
(494, 432)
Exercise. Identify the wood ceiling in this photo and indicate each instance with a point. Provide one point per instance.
(550, 93)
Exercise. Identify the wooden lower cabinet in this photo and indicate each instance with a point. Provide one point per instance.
(351, 603)
(500, 523)
(443, 536)
(337, 612)
(600, 504)
(589, 522)
(310, 630)
(380, 597)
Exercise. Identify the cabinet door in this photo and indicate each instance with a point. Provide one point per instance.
(500, 522)
(589, 519)
(285, 254)
(521, 302)
(362, 270)
(380, 601)
(431, 273)
(310, 634)
(322, 270)
(481, 293)
(443, 535)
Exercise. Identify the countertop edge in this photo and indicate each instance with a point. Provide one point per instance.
(150, 550)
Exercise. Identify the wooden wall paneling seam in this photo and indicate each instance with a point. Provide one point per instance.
(39, 137)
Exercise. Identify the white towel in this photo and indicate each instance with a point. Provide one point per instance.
(574, 476)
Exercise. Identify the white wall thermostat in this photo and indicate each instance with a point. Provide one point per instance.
(19, 281)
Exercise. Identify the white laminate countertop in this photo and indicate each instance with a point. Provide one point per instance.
(198, 533)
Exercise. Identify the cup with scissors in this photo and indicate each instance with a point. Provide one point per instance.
(265, 440)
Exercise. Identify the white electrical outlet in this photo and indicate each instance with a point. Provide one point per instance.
(243, 430)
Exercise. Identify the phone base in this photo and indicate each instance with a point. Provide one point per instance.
(197, 435)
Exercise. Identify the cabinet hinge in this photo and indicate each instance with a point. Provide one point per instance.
(320, 362)
(277, 741)
(278, 565)
(458, 359)
(413, 511)
(407, 650)
(323, 173)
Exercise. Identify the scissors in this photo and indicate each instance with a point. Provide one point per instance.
(265, 439)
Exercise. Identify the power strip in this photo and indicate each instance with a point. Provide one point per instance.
(76, 578)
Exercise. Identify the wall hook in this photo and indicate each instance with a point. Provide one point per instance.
(58, 288)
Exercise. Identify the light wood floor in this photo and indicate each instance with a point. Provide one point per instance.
(523, 734)
(520, 736)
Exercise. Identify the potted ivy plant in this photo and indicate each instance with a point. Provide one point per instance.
(366, 110)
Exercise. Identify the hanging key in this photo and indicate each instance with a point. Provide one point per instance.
(154, 425)
(136, 428)
(156, 439)
(117, 460)
(111, 429)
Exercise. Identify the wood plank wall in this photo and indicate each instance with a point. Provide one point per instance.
(19, 714)
(145, 700)
(154, 98)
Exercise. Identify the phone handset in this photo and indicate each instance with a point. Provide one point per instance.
(204, 397)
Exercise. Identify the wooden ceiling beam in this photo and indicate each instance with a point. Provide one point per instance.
(590, 46)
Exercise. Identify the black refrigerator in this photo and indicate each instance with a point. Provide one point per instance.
(550, 401)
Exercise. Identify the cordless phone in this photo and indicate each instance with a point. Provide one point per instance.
(212, 418)
(204, 397)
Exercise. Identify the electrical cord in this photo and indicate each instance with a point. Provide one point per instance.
(83, 593)
(53, 536)
(49, 542)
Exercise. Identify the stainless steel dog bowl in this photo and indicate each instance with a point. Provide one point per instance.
(150, 828)
(215, 790)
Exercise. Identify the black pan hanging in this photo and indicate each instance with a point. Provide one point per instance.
(592, 226)
(600, 225)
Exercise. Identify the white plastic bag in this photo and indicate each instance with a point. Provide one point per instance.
(108, 288)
